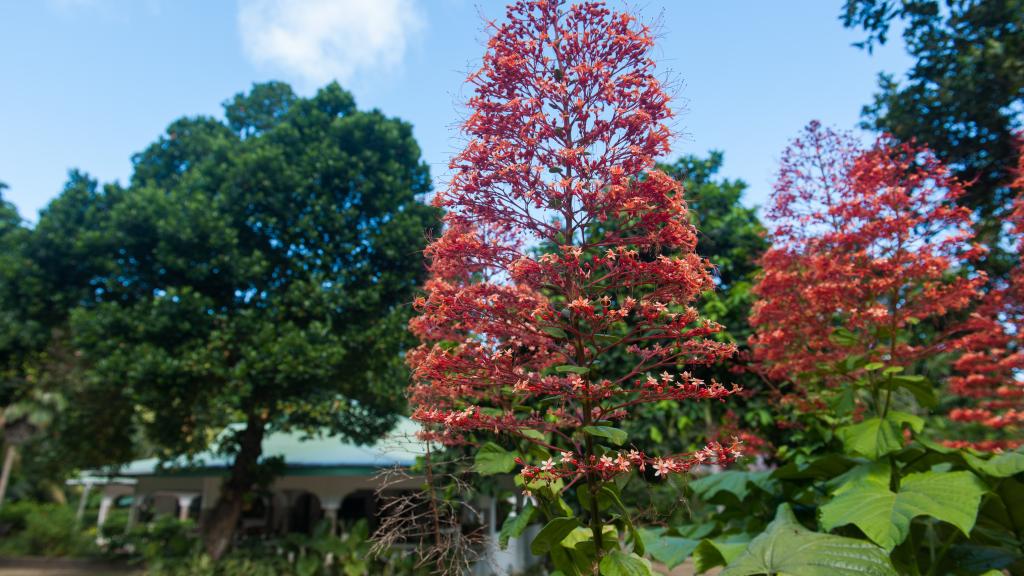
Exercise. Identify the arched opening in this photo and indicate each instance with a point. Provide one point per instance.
(305, 513)
(360, 505)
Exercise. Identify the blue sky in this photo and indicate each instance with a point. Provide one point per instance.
(87, 83)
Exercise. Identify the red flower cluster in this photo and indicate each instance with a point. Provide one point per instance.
(606, 467)
(561, 244)
(986, 373)
(869, 240)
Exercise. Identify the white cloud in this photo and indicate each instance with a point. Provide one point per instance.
(321, 40)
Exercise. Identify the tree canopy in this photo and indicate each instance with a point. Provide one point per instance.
(963, 96)
(256, 269)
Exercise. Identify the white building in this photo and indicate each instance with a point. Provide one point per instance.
(323, 478)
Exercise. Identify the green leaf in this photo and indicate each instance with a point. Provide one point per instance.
(610, 493)
(583, 537)
(616, 436)
(618, 563)
(493, 459)
(515, 525)
(551, 534)
(823, 467)
(571, 368)
(734, 482)
(920, 387)
(669, 550)
(874, 437)
(564, 562)
(843, 403)
(718, 552)
(877, 473)
(885, 516)
(554, 331)
(843, 337)
(786, 547)
(606, 338)
(936, 447)
(532, 434)
(694, 531)
(982, 560)
(999, 466)
(307, 566)
(873, 366)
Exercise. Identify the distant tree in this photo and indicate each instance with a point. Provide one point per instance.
(257, 271)
(15, 340)
(45, 271)
(731, 236)
(963, 96)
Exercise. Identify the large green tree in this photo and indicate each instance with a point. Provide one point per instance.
(257, 271)
(39, 280)
(963, 96)
(68, 256)
(12, 339)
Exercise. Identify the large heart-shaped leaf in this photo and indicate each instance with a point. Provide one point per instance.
(1000, 466)
(669, 550)
(493, 459)
(551, 534)
(885, 516)
(920, 387)
(876, 437)
(787, 548)
(732, 481)
(718, 552)
(877, 473)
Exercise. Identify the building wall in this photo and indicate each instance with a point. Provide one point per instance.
(297, 502)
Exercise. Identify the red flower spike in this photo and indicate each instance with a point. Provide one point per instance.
(566, 120)
(986, 374)
(867, 239)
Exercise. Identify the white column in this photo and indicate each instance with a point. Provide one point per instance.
(82, 502)
(184, 502)
(105, 504)
(330, 507)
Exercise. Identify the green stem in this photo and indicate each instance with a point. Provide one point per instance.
(942, 552)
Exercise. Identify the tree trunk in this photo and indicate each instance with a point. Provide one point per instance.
(218, 529)
(5, 474)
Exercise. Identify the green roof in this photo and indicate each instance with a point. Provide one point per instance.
(303, 455)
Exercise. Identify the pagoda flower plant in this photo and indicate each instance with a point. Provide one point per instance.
(562, 245)
(862, 294)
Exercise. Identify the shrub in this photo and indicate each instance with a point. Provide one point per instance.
(42, 529)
